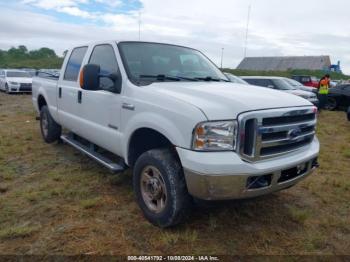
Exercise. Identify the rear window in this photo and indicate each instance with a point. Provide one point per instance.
(74, 64)
(305, 79)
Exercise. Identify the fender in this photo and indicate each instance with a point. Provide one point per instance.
(158, 123)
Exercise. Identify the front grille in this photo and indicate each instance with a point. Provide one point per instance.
(25, 87)
(270, 133)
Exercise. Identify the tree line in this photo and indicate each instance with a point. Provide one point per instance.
(21, 57)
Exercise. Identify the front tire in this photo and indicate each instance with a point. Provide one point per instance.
(160, 188)
(331, 103)
(50, 130)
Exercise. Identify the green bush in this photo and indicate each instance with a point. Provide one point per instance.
(20, 57)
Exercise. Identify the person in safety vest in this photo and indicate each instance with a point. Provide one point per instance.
(323, 91)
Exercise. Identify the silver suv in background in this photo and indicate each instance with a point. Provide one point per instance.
(279, 83)
(300, 86)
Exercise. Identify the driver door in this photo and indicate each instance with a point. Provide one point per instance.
(100, 110)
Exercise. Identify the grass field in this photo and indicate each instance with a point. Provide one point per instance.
(53, 200)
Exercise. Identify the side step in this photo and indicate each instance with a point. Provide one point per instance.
(90, 150)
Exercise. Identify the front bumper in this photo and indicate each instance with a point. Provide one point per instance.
(19, 89)
(224, 175)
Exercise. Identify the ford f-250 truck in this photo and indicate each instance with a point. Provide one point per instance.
(171, 115)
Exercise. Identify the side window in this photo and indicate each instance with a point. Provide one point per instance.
(251, 81)
(262, 82)
(271, 83)
(104, 56)
(74, 64)
(305, 79)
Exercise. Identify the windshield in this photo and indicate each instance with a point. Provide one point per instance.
(283, 84)
(236, 79)
(17, 74)
(149, 62)
(293, 82)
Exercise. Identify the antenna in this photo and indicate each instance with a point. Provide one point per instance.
(247, 31)
(139, 26)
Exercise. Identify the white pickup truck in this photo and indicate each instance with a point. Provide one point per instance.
(169, 113)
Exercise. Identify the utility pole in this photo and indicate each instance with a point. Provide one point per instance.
(247, 31)
(222, 56)
(139, 26)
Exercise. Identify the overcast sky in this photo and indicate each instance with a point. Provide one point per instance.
(288, 27)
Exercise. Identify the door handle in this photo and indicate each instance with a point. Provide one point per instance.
(128, 106)
(60, 92)
(79, 96)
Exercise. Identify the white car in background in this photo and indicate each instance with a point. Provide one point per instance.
(300, 86)
(15, 81)
(279, 83)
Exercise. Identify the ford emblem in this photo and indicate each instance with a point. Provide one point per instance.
(294, 133)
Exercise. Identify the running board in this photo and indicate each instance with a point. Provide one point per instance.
(91, 152)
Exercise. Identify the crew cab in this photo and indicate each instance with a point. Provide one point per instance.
(168, 113)
(15, 81)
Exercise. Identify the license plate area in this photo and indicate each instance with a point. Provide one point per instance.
(294, 172)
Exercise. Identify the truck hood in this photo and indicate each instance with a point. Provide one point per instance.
(22, 80)
(220, 100)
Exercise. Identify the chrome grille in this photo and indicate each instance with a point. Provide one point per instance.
(270, 133)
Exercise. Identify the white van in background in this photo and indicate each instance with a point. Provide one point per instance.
(15, 81)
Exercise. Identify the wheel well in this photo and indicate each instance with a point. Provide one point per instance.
(41, 102)
(145, 139)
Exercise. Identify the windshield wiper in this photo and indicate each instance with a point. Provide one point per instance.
(161, 77)
(210, 79)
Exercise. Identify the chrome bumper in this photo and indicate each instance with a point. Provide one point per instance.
(235, 186)
(220, 176)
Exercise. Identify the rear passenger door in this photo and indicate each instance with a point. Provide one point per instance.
(100, 110)
(68, 90)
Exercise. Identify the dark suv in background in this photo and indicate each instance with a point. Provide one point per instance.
(338, 97)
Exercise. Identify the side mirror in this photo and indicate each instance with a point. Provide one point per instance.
(90, 77)
(271, 86)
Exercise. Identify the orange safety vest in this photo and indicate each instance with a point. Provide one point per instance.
(324, 87)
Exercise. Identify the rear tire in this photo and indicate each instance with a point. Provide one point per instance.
(160, 188)
(50, 130)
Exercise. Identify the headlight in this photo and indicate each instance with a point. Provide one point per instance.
(14, 83)
(215, 136)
